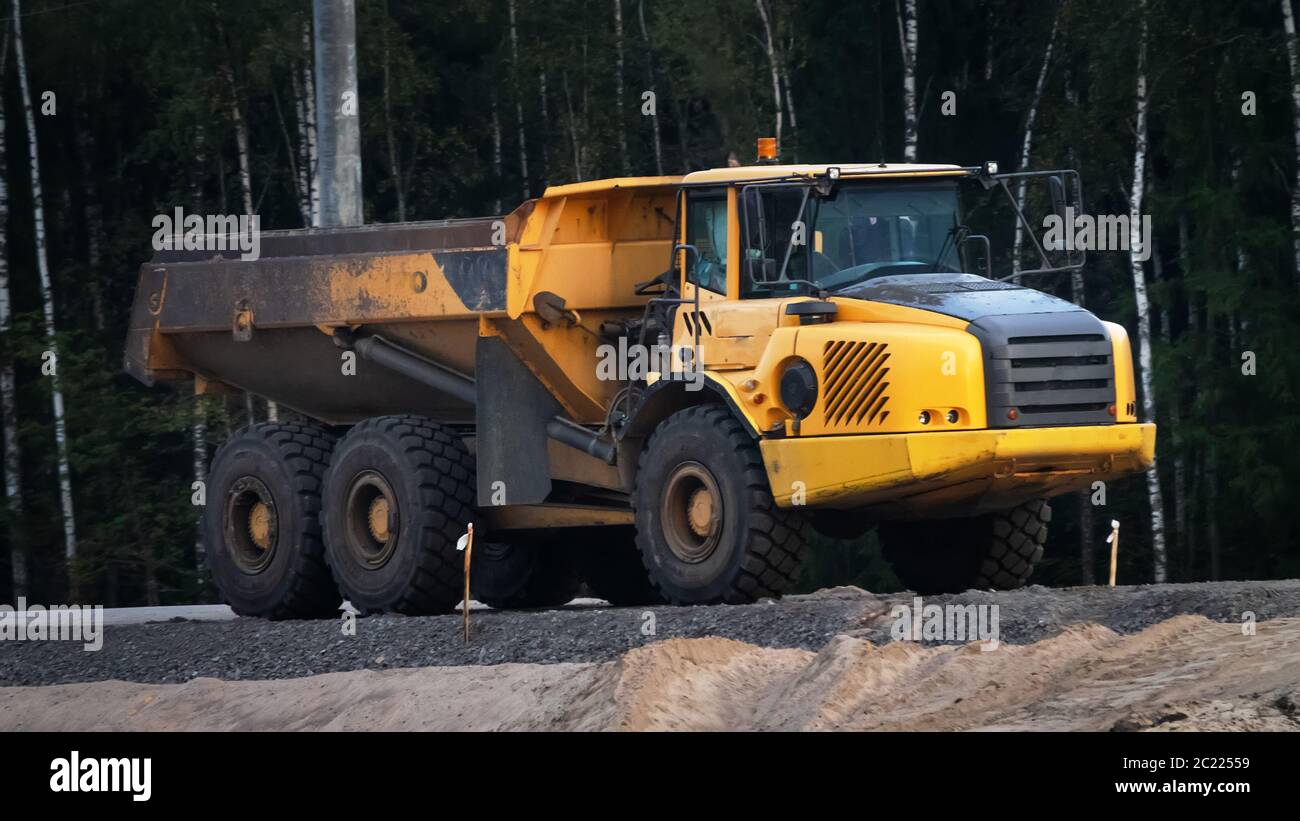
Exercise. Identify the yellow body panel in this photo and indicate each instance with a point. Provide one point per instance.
(1122, 356)
(906, 475)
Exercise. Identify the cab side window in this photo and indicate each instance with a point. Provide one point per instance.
(769, 214)
(706, 229)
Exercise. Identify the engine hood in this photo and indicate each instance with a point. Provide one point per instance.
(964, 296)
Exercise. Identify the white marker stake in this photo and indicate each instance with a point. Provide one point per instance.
(1113, 540)
(466, 543)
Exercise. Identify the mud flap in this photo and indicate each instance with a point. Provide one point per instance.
(511, 416)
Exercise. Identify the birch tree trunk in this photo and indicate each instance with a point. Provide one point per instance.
(573, 131)
(47, 298)
(496, 152)
(241, 140)
(8, 401)
(775, 67)
(789, 104)
(907, 41)
(303, 171)
(519, 100)
(309, 95)
(618, 85)
(245, 188)
(199, 428)
(1191, 533)
(650, 86)
(1028, 142)
(1143, 306)
(1086, 518)
(545, 171)
(1288, 26)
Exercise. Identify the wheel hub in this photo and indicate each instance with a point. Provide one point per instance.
(378, 519)
(700, 512)
(252, 524)
(691, 512)
(372, 519)
(259, 525)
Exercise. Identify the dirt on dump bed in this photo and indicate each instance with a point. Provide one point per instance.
(1184, 673)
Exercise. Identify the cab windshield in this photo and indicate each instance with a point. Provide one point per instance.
(797, 237)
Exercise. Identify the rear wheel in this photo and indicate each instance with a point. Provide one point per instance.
(398, 495)
(707, 526)
(261, 524)
(508, 576)
(996, 551)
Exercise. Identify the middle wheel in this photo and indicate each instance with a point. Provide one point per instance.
(398, 494)
(513, 575)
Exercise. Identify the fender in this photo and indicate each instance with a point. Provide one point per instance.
(661, 400)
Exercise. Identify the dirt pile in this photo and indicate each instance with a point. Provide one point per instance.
(1184, 673)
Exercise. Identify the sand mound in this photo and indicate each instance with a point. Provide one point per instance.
(1184, 673)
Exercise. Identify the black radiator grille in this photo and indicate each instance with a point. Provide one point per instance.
(1046, 369)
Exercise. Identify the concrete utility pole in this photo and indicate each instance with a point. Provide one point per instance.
(338, 107)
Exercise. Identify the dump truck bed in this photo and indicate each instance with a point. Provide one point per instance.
(432, 288)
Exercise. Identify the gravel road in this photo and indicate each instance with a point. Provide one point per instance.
(244, 649)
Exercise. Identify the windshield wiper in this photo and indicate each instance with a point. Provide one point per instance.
(959, 231)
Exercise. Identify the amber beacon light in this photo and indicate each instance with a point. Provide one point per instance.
(767, 149)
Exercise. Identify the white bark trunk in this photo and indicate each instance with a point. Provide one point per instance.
(309, 93)
(1028, 142)
(573, 131)
(650, 85)
(907, 41)
(47, 298)
(519, 104)
(303, 173)
(618, 85)
(775, 67)
(1288, 26)
(241, 141)
(8, 395)
(545, 170)
(789, 106)
(199, 430)
(245, 177)
(496, 152)
(1143, 306)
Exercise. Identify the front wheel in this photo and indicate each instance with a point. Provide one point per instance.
(707, 526)
(996, 551)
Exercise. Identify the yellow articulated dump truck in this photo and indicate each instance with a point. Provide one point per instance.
(664, 386)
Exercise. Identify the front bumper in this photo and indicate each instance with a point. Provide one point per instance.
(952, 473)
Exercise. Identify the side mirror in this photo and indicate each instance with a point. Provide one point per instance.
(983, 265)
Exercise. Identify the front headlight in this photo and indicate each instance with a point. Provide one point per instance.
(799, 388)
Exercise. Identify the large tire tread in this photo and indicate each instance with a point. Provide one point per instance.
(305, 449)
(778, 538)
(443, 471)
